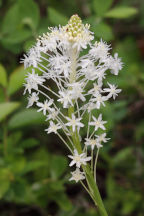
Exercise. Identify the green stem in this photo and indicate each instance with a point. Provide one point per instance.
(93, 189)
(95, 192)
(72, 79)
(92, 161)
(86, 189)
(96, 164)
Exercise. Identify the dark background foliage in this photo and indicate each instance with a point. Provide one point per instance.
(34, 168)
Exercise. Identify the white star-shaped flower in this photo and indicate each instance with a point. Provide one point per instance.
(91, 142)
(114, 64)
(77, 91)
(77, 175)
(32, 99)
(53, 127)
(65, 98)
(99, 99)
(45, 106)
(52, 114)
(32, 81)
(112, 90)
(32, 58)
(96, 88)
(100, 50)
(61, 64)
(78, 159)
(102, 138)
(74, 122)
(98, 123)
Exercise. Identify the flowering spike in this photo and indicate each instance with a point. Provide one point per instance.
(79, 89)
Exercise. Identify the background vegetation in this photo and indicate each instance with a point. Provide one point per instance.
(34, 168)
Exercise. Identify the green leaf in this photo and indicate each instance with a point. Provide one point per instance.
(11, 19)
(28, 44)
(16, 80)
(63, 201)
(14, 48)
(14, 140)
(29, 13)
(130, 202)
(32, 165)
(103, 30)
(21, 15)
(4, 181)
(58, 166)
(139, 132)
(17, 165)
(57, 185)
(110, 186)
(18, 188)
(0, 3)
(121, 12)
(29, 143)
(7, 108)
(101, 6)
(2, 96)
(55, 17)
(17, 36)
(122, 155)
(3, 76)
(26, 118)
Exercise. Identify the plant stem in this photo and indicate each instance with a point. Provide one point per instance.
(96, 164)
(95, 192)
(93, 189)
(86, 189)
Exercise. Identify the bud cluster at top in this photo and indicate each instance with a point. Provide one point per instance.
(75, 29)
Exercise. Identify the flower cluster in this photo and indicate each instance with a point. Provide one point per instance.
(78, 87)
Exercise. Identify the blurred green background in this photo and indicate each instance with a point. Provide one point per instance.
(34, 168)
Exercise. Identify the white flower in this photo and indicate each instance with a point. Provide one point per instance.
(100, 50)
(32, 99)
(98, 123)
(99, 99)
(45, 106)
(28, 87)
(102, 138)
(52, 114)
(77, 175)
(78, 159)
(89, 71)
(91, 142)
(113, 92)
(32, 59)
(85, 62)
(33, 80)
(61, 64)
(97, 88)
(53, 127)
(48, 42)
(115, 64)
(99, 145)
(77, 91)
(65, 98)
(74, 122)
